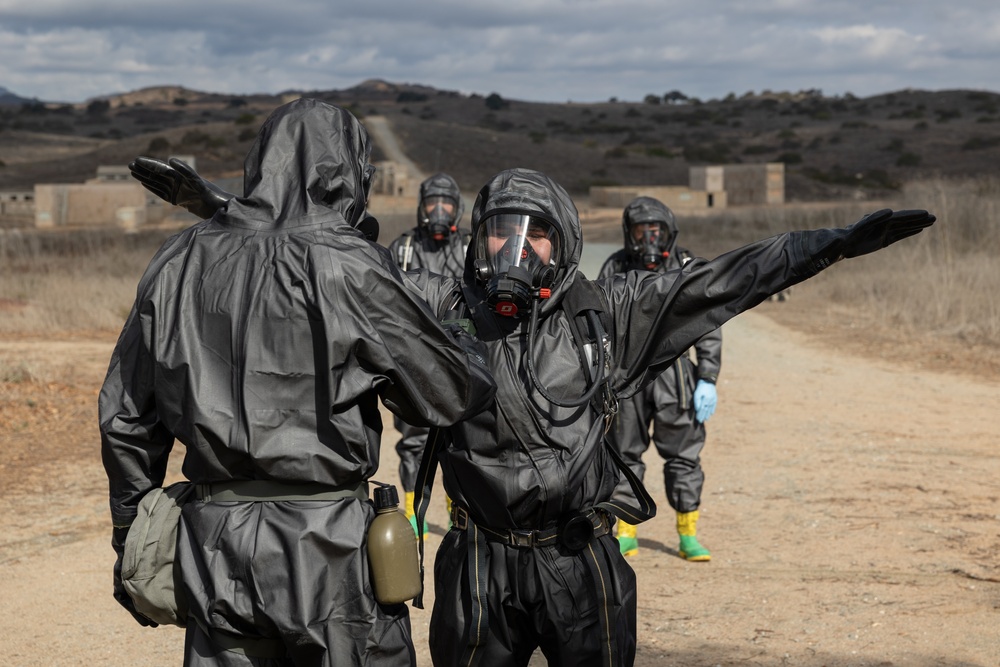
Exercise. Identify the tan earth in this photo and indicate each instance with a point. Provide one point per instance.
(852, 507)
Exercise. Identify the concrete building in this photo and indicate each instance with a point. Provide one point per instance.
(710, 187)
(393, 179)
(678, 197)
(90, 204)
(744, 184)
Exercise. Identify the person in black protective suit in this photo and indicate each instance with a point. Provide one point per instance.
(261, 339)
(681, 399)
(530, 561)
(439, 245)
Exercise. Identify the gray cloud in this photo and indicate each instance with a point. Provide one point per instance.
(544, 50)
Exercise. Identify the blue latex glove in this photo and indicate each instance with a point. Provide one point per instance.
(705, 398)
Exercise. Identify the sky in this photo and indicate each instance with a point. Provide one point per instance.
(533, 50)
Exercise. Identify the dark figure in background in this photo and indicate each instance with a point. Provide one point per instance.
(439, 245)
(530, 561)
(262, 339)
(681, 399)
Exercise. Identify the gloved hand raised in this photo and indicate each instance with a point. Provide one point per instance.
(178, 183)
(705, 399)
(881, 228)
(118, 536)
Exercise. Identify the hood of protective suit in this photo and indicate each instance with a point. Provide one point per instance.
(441, 185)
(648, 209)
(310, 161)
(531, 191)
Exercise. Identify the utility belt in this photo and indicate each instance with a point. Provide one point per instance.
(574, 533)
(265, 490)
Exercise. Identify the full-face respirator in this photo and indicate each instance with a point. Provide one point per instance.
(649, 243)
(516, 259)
(439, 215)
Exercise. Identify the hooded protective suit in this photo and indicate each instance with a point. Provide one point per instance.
(524, 464)
(262, 339)
(418, 249)
(667, 402)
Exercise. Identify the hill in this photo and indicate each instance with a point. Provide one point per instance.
(833, 147)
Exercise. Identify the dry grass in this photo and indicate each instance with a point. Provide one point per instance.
(52, 283)
(942, 283)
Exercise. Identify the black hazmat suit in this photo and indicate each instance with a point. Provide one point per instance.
(418, 249)
(262, 339)
(666, 403)
(524, 465)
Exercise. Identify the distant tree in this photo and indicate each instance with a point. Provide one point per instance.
(495, 103)
(98, 107)
(410, 96)
(236, 102)
(675, 97)
(158, 145)
(651, 99)
(613, 100)
(245, 119)
(908, 160)
(180, 101)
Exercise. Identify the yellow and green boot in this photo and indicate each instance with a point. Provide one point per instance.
(447, 504)
(628, 539)
(411, 513)
(690, 549)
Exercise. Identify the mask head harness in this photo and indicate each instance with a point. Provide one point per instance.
(516, 257)
(650, 233)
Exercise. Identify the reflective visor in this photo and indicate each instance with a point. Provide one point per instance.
(504, 239)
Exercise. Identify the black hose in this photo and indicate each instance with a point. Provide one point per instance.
(594, 323)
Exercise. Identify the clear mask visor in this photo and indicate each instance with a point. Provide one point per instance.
(519, 240)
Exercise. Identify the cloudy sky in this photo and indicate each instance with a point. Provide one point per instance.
(538, 50)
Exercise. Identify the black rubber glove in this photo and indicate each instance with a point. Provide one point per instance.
(881, 228)
(118, 542)
(176, 182)
(872, 232)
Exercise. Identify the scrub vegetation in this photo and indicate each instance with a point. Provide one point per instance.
(940, 287)
(844, 156)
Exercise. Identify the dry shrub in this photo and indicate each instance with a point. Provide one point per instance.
(943, 282)
(60, 281)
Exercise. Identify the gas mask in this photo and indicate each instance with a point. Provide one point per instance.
(516, 259)
(649, 243)
(438, 214)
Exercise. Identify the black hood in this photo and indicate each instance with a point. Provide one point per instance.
(441, 185)
(531, 191)
(648, 209)
(309, 164)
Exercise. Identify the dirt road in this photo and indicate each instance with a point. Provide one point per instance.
(851, 507)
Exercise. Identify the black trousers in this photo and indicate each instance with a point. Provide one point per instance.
(665, 404)
(541, 598)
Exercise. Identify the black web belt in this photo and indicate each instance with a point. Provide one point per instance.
(529, 539)
(265, 490)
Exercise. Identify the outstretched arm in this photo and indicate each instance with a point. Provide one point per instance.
(657, 317)
(176, 182)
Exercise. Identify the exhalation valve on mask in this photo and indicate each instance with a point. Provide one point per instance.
(515, 279)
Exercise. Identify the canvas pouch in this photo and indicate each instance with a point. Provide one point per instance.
(149, 568)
